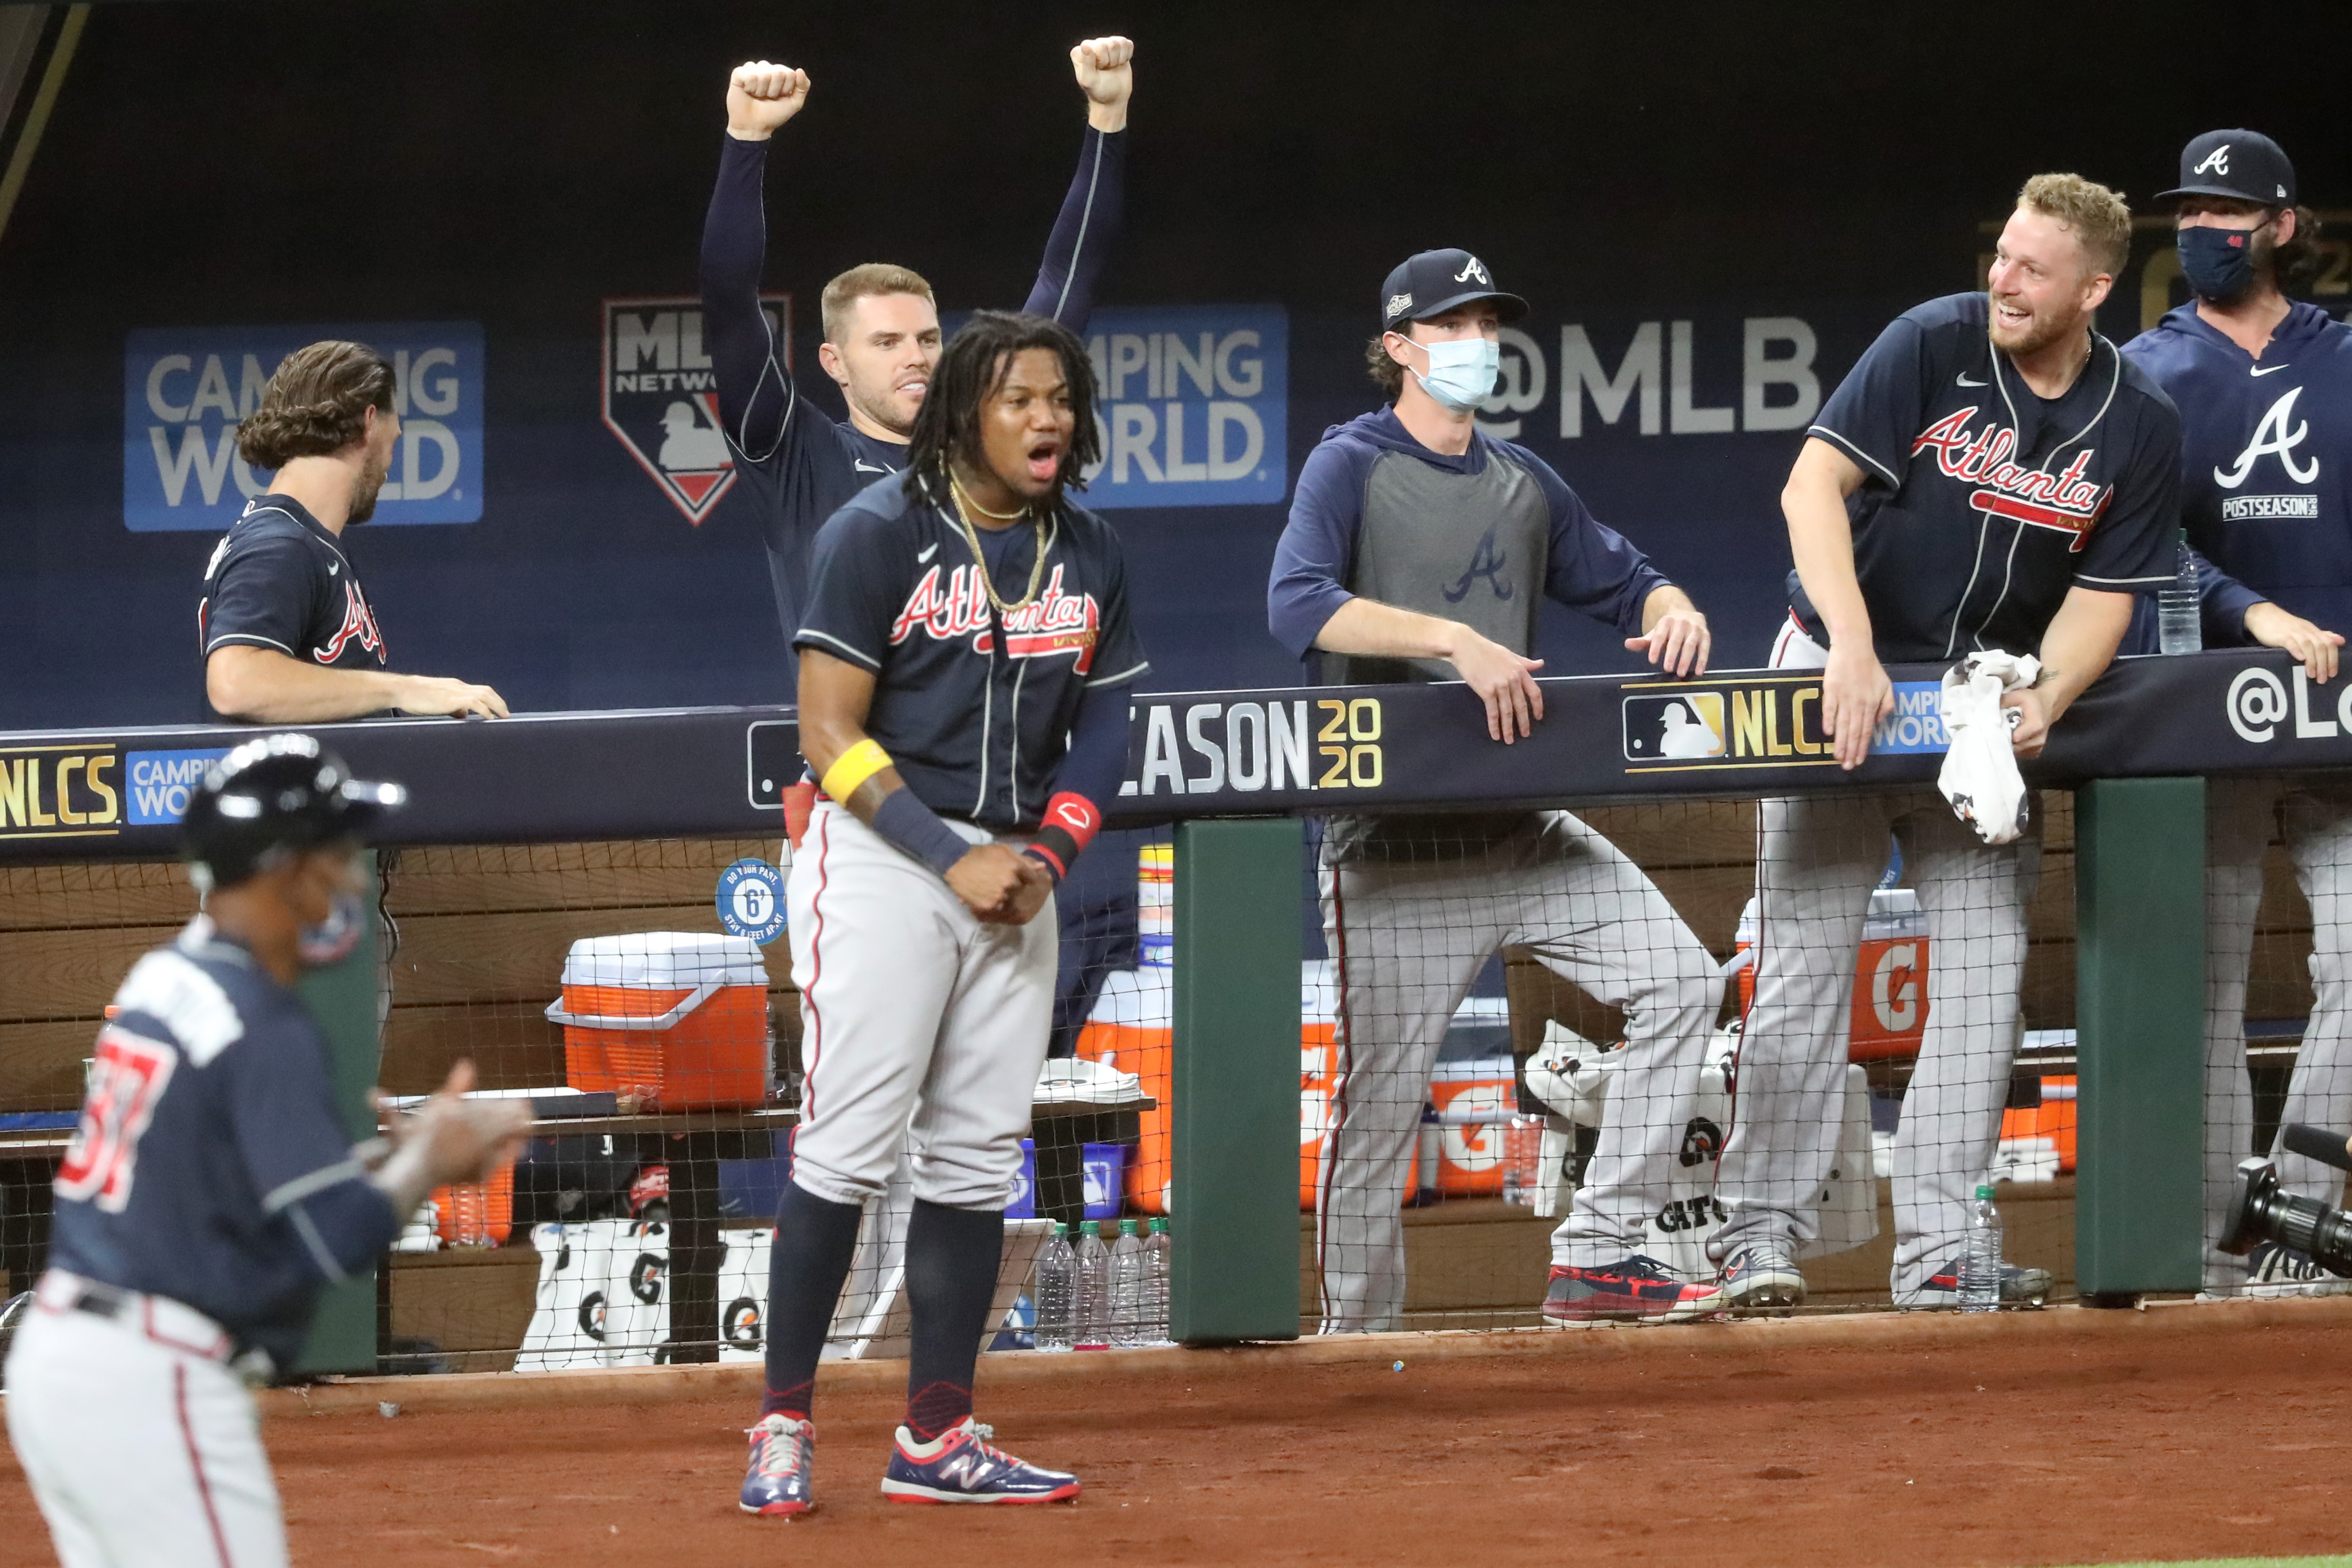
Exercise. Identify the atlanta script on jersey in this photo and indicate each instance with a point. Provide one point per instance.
(278, 580)
(1981, 503)
(975, 713)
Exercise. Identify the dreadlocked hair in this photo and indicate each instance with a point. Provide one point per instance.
(968, 375)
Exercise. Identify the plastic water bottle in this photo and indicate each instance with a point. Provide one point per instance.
(1158, 1253)
(1054, 1291)
(1126, 1287)
(1522, 1139)
(2177, 626)
(1980, 1263)
(1092, 1314)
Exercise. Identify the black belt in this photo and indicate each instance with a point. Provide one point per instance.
(99, 1301)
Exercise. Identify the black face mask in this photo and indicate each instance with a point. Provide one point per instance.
(2217, 263)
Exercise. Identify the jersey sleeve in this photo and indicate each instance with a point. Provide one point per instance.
(1318, 544)
(1879, 407)
(1118, 658)
(1083, 232)
(757, 401)
(263, 596)
(2222, 601)
(855, 588)
(1592, 568)
(2130, 550)
(282, 1115)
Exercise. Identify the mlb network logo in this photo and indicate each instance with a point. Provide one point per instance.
(185, 389)
(661, 394)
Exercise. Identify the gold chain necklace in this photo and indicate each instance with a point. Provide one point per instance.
(980, 561)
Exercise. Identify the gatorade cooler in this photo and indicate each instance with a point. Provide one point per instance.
(1890, 977)
(675, 1019)
(2054, 1120)
(1474, 1100)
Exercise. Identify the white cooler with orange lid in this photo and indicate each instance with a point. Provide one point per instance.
(677, 1020)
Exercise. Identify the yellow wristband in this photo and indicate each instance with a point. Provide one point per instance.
(853, 768)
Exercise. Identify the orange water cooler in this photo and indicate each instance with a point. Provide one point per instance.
(677, 1020)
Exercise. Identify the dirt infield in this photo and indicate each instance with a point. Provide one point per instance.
(2079, 1437)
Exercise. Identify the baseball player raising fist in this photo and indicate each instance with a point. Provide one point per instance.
(209, 1193)
(881, 325)
(964, 661)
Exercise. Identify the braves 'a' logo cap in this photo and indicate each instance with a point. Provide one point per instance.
(1434, 281)
(2243, 166)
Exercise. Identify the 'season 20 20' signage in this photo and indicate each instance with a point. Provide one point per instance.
(185, 388)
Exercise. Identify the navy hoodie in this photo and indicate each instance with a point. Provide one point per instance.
(2266, 467)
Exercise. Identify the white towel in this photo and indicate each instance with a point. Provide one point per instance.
(1981, 777)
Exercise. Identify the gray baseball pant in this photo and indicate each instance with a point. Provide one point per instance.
(1817, 861)
(1409, 938)
(2314, 818)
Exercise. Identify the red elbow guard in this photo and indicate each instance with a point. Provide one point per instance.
(1071, 822)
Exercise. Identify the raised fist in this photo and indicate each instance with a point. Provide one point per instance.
(1106, 74)
(761, 97)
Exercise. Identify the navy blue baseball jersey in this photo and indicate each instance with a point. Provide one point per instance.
(278, 580)
(1983, 504)
(210, 1166)
(2266, 464)
(974, 708)
(799, 466)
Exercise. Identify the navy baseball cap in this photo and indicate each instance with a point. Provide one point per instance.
(2244, 165)
(1435, 282)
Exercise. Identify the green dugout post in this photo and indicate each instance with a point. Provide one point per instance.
(2140, 987)
(1235, 1198)
(342, 999)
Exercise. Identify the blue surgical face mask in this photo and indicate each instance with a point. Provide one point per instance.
(1462, 372)
(2217, 263)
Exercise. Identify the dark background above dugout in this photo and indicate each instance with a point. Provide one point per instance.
(514, 163)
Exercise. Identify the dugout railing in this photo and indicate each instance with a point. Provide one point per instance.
(648, 806)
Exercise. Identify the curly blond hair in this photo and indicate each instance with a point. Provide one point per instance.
(2101, 222)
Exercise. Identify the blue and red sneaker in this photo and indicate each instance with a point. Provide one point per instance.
(1638, 1288)
(778, 1480)
(1759, 1276)
(962, 1468)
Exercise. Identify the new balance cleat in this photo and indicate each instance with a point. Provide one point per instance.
(1940, 1291)
(1758, 1277)
(962, 1466)
(2274, 1271)
(778, 1480)
(1638, 1289)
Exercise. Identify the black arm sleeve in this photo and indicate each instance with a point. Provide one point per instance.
(756, 397)
(1083, 234)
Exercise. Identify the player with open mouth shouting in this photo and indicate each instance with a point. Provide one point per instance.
(964, 664)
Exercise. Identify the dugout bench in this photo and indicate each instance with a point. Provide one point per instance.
(85, 862)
